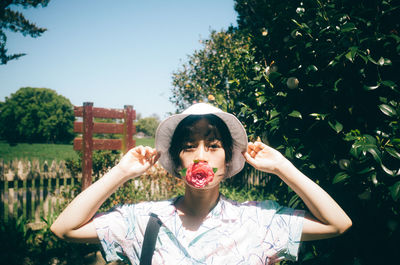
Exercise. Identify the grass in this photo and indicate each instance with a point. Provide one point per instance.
(145, 141)
(49, 152)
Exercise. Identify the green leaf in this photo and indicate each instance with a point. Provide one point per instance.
(353, 52)
(375, 154)
(369, 139)
(393, 173)
(384, 61)
(274, 113)
(371, 87)
(365, 170)
(335, 86)
(311, 68)
(297, 23)
(273, 76)
(387, 110)
(294, 201)
(344, 164)
(261, 100)
(349, 56)
(183, 172)
(215, 169)
(395, 191)
(389, 83)
(332, 63)
(364, 144)
(341, 176)
(281, 94)
(372, 60)
(348, 27)
(365, 58)
(319, 116)
(308, 256)
(295, 114)
(337, 127)
(289, 152)
(393, 152)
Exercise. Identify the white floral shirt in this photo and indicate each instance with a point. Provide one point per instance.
(232, 233)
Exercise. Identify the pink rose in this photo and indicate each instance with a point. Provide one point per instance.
(199, 174)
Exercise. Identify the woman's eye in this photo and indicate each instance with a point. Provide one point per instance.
(188, 146)
(215, 146)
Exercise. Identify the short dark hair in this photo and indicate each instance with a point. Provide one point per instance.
(182, 132)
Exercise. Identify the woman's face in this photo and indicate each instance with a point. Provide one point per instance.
(204, 145)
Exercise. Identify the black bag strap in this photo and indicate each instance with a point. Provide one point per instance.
(150, 237)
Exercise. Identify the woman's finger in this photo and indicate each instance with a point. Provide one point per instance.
(138, 150)
(148, 152)
(155, 157)
(259, 145)
(251, 146)
(143, 151)
(249, 159)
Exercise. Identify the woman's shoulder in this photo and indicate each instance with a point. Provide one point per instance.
(162, 207)
(260, 212)
(154, 203)
(266, 204)
(142, 207)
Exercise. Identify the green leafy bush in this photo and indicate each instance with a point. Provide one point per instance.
(318, 80)
(36, 115)
(22, 245)
(156, 184)
(102, 161)
(147, 125)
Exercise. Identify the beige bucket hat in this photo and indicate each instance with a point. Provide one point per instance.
(167, 128)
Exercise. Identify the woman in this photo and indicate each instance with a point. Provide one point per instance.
(204, 145)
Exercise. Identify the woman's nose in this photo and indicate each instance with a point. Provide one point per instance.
(201, 153)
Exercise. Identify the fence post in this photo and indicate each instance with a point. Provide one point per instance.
(87, 144)
(87, 127)
(128, 141)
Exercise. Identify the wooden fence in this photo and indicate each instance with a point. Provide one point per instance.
(33, 191)
(88, 127)
(36, 192)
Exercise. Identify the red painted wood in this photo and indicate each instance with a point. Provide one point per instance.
(87, 144)
(128, 128)
(100, 144)
(101, 127)
(101, 113)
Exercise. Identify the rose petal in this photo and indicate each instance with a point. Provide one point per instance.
(199, 174)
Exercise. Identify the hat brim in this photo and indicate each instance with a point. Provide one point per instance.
(167, 128)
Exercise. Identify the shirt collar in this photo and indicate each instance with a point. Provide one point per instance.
(225, 210)
(166, 209)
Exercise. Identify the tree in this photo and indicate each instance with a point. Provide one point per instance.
(218, 73)
(320, 85)
(148, 125)
(15, 21)
(36, 115)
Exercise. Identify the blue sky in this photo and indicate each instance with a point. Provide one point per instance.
(112, 52)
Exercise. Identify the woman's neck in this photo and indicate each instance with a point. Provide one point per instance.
(195, 205)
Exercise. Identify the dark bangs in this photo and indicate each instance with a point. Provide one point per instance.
(184, 130)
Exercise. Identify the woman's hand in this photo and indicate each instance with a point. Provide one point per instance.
(74, 222)
(327, 219)
(264, 158)
(137, 161)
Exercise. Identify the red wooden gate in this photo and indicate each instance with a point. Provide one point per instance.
(87, 144)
